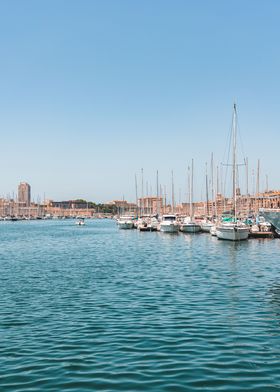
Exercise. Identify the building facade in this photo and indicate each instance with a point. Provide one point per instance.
(24, 194)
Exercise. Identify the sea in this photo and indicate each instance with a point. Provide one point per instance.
(95, 308)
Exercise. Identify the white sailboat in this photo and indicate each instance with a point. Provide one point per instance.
(233, 231)
(189, 225)
(206, 225)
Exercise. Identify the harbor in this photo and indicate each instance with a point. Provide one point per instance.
(260, 212)
(139, 196)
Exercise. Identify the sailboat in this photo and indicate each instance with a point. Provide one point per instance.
(235, 230)
(169, 223)
(206, 225)
(189, 225)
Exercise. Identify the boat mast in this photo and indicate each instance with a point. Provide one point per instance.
(191, 193)
(165, 196)
(172, 178)
(247, 177)
(142, 201)
(234, 161)
(258, 185)
(157, 195)
(212, 183)
(207, 196)
(136, 194)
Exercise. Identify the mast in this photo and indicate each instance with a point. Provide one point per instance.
(212, 183)
(191, 193)
(161, 199)
(258, 178)
(234, 161)
(165, 199)
(142, 196)
(136, 194)
(218, 188)
(247, 176)
(258, 185)
(157, 194)
(207, 196)
(172, 178)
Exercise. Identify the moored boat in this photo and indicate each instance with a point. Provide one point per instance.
(169, 224)
(126, 222)
(213, 231)
(206, 226)
(190, 226)
(232, 231)
(80, 222)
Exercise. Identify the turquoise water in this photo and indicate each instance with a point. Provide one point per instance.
(95, 308)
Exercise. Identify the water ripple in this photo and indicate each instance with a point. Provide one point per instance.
(97, 309)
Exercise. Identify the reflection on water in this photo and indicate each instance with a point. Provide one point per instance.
(273, 295)
(97, 308)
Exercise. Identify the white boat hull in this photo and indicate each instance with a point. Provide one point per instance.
(190, 228)
(213, 231)
(206, 227)
(171, 228)
(233, 233)
(126, 225)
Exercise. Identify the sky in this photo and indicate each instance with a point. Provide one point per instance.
(92, 91)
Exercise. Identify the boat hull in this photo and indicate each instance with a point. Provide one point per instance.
(232, 233)
(190, 228)
(126, 225)
(206, 227)
(172, 228)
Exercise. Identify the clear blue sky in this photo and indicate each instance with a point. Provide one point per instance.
(92, 91)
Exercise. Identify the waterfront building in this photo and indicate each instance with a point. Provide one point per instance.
(24, 194)
(68, 204)
(150, 205)
(123, 206)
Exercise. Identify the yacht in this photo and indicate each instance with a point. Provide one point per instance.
(169, 224)
(126, 222)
